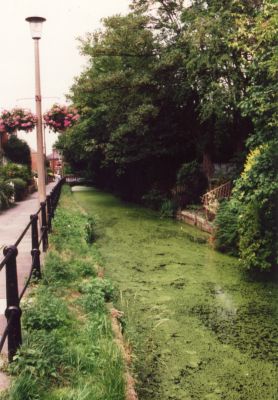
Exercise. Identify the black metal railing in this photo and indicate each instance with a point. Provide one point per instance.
(40, 225)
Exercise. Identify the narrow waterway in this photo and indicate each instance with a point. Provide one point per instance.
(200, 327)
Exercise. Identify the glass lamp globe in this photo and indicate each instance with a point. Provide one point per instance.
(36, 26)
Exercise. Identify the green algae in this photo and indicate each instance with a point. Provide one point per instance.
(201, 328)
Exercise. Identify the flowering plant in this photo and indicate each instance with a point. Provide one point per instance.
(17, 119)
(59, 118)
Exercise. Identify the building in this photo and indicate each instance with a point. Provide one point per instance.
(55, 162)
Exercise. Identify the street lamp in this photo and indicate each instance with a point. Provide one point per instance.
(36, 29)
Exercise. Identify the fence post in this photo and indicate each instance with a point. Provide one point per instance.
(13, 311)
(49, 212)
(44, 227)
(35, 252)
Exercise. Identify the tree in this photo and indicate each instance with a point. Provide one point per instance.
(17, 151)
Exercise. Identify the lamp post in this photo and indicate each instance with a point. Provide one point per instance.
(36, 29)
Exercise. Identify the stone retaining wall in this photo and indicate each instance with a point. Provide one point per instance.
(194, 219)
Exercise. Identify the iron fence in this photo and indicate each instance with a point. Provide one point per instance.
(39, 239)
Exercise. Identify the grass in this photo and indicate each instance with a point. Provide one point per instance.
(68, 351)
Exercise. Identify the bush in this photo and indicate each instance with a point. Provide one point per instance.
(256, 193)
(194, 182)
(226, 228)
(17, 151)
(41, 356)
(45, 312)
(11, 171)
(153, 199)
(83, 268)
(100, 285)
(90, 230)
(168, 209)
(6, 194)
(57, 271)
(20, 187)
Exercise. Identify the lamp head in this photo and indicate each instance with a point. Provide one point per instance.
(35, 26)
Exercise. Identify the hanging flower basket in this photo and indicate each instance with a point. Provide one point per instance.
(17, 119)
(59, 118)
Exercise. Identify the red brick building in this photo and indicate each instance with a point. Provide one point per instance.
(55, 162)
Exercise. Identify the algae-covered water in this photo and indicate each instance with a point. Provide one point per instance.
(200, 327)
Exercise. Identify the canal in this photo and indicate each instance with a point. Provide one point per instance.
(200, 328)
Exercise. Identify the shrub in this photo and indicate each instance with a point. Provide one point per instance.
(90, 230)
(20, 187)
(44, 312)
(57, 271)
(226, 227)
(11, 171)
(256, 192)
(168, 209)
(194, 182)
(6, 194)
(153, 199)
(83, 268)
(102, 285)
(93, 302)
(17, 151)
(42, 355)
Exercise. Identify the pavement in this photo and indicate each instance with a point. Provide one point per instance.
(12, 223)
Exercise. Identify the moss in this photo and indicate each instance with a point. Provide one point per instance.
(200, 329)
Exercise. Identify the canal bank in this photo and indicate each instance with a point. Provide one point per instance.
(200, 327)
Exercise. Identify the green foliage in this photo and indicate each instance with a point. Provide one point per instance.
(45, 311)
(6, 194)
(260, 101)
(24, 388)
(17, 151)
(193, 181)
(104, 286)
(20, 187)
(69, 228)
(68, 351)
(257, 194)
(168, 209)
(57, 271)
(83, 268)
(153, 199)
(31, 359)
(11, 171)
(90, 230)
(226, 227)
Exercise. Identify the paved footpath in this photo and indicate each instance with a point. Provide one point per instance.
(12, 223)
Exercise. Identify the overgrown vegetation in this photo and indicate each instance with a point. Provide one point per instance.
(68, 352)
(14, 180)
(170, 85)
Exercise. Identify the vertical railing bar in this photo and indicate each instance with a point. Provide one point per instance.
(35, 252)
(44, 227)
(13, 310)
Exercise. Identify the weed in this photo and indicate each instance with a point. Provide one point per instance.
(68, 355)
(45, 312)
(83, 268)
(57, 271)
(41, 356)
(90, 230)
(104, 286)
(24, 388)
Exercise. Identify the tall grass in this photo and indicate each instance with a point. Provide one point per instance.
(69, 352)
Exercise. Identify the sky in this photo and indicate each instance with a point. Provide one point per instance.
(59, 55)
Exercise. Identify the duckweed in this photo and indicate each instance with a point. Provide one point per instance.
(201, 328)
